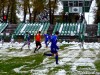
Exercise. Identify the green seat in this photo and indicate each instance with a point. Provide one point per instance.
(55, 28)
(3, 26)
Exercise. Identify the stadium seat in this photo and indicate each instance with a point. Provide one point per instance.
(32, 28)
(3, 26)
(71, 29)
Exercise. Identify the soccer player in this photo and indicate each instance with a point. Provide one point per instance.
(47, 39)
(26, 40)
(2, 38)
(81, 39)
(54, 47)
(12, 39)
(38, 41)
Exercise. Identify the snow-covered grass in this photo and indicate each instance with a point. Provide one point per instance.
(64, 45)
(97, 63)
(73, 60)
(59, 68)
(83, 67)
(29, 62)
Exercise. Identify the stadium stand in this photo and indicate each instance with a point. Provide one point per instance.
(69, 29)
(91, 33)
(32, 28)
(3, 26)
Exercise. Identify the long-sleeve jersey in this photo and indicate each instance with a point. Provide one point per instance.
(46, 37)
(54, 42)
(81, 37)
(13, 36)
(27, 37)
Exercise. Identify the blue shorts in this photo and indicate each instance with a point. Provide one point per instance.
(53, 50)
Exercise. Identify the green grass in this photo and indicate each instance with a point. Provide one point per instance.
(55, 69)
(80, 54)
(83, 49)
(9, 65)
(91, 49)
(83, 67)
(97, 64)
(98, 55)
(12, 49)
(64, 45)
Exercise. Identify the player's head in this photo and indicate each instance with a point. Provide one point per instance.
(26, 32)
(56, 33)
(39, 32)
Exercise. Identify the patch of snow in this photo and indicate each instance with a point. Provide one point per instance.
(17, 70)
(72, 55)
(88, 53)
(84, 60)
(61, 72)
(39, 72)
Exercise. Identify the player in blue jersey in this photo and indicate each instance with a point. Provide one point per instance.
(47, 39)
(26, 40)
(54, 47)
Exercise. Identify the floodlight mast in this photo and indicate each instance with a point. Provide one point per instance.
(84, 9)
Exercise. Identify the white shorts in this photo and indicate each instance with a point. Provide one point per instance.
(12, 40)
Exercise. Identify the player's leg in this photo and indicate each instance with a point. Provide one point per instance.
(46, 43)
(12, 42)
(28, 44)
(39, 44)
(1, 41)
(56, 55)
(82, 44)
(50, 54)
(36, 46)
(24, 45)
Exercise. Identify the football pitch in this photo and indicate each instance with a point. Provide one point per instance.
(73, 60)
